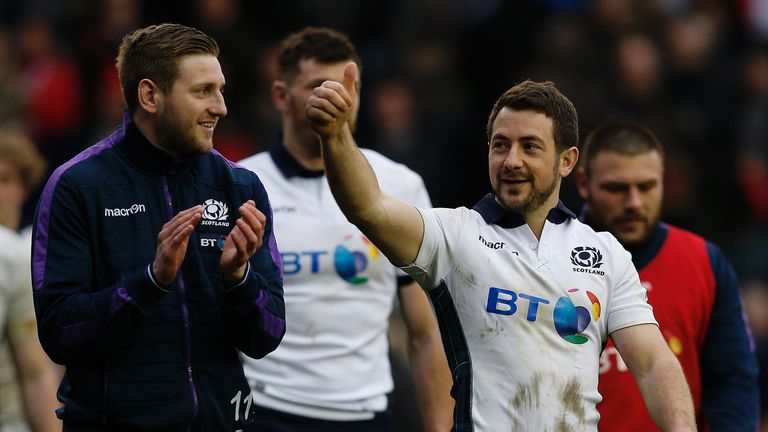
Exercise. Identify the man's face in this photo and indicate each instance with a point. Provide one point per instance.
(311, 74)
(524, 167)
(624, 193)
(12, 192)
(189, 112)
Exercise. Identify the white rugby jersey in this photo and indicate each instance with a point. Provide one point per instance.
(339, 290)
(12, 264)
(523, 320)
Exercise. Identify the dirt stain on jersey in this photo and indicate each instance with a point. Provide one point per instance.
(527, 395)
(573, 402)
(490, 331)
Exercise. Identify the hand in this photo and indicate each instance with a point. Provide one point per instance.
(172, 244)
(331, 104)
(242, 242)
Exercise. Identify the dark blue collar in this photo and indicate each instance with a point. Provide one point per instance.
(137, 149)
(286, 163)
(642, 254)
(493, 213)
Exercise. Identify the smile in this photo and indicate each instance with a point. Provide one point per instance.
(208, 125)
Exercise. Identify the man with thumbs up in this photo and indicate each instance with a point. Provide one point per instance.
(523, 323)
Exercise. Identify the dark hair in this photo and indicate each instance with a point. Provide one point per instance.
(153, 53)
(322, 44)
(627, 139)
(543, 98)
(20, 151)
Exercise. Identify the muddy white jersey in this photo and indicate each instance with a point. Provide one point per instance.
(523, 320)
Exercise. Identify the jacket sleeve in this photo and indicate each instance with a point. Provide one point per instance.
(254, 308)
(78, 320)
(730, 398)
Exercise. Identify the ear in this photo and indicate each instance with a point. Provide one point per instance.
(149, 95)
(279, 93)
(581, 182)
(568, 159)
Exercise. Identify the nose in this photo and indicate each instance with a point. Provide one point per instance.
(513, 159)
(634, 198)
(218, 108)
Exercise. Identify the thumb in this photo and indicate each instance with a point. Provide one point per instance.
(350, 77)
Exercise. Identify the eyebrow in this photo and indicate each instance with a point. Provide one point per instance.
(615, 183)
(524, 138)
(531, 138)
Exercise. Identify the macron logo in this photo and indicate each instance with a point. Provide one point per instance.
(136, 208)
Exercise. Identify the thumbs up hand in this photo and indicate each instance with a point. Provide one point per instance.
(331, 105)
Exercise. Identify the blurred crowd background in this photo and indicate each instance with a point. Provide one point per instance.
(694, 71)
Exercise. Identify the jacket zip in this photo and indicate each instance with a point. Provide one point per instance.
(184, 312)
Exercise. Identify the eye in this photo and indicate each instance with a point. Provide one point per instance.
(645, 187)
(615, 187)
(499, 145)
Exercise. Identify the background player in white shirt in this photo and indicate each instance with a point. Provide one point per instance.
(28, 378)
(525, 293)
(332, 371)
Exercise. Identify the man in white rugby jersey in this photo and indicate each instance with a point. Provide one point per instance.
(526, 295)
(332, 372)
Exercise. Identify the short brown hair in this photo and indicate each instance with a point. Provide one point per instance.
(20, 151)
(624, 138)
(543, 98)
(153, 53)
(319, 43)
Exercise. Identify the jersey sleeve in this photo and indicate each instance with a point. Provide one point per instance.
(728, 365)
(629, 300)
(255, 307)
(433, 261)
(75, 319)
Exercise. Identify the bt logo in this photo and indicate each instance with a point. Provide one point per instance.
(569, 319)
(350, 259)
(212, 243)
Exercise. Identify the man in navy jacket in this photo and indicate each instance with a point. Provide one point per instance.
(154, 260)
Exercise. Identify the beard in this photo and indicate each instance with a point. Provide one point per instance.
(636, 237)
(535, 198)
(177, 137)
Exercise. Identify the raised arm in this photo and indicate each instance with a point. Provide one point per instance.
(393, 225)
(658, 375)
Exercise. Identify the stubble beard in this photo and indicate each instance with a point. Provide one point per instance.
(535, 199)
(178, 138)
(647, 221)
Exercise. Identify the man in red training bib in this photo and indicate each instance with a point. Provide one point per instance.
(692, 288)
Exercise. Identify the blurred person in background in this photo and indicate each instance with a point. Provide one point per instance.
(28, 378)
(690, 284)
(332, 371)
(53, 90)
(11, 94)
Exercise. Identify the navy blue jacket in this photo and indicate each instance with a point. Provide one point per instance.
(139, 357)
